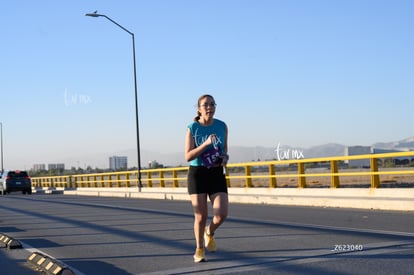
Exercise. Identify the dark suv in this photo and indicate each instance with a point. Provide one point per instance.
(12, 181)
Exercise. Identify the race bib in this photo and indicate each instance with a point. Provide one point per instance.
(210, 157)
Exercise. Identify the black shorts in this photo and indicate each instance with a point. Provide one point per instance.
(202, 180)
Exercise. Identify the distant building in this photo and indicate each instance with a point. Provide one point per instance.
(364, 150)
(358, 150)
(56, 166)
(397, 160)
(384, 151)
(117, 163)
(153, 164)
(39, 167)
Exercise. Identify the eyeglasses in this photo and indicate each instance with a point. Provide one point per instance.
(205, 105)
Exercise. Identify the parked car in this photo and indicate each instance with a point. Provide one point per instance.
(12, 181)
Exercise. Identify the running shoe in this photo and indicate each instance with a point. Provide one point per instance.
(209, 241)
(199, 255)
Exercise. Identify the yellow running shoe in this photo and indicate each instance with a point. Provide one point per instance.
(199, 255)
(209, 241)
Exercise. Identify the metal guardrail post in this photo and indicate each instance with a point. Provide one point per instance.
(127, 183)
(301, 175)
(334, 178)
(375, 183)
(110, 180)
(272, 179)
(248, 178)
(118, 180)
(149, 176)
(162, 183)
(227, 177)
(102, 181)
(175, 181)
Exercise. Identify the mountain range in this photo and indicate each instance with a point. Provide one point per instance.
(247, 154)
(237, 154)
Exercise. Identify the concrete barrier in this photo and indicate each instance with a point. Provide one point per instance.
(10, 242)
(48, 265)
(401, 199)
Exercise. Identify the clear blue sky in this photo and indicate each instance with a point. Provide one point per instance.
(294, 72)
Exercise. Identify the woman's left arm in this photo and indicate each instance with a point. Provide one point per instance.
(225, 155)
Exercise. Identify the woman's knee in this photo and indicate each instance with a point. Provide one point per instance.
(200, 217)
(221, 216)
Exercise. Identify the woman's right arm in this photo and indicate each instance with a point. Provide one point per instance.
(192, 152)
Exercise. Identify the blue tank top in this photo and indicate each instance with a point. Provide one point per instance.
(200, 133)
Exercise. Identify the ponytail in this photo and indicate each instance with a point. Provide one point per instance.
(197, 118)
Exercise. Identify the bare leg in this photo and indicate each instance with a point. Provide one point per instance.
(199, 203)
(220, 203)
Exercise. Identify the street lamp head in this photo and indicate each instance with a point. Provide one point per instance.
(94, 14)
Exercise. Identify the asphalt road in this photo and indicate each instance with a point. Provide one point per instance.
(97, 235)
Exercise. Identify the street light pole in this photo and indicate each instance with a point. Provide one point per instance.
(1, 134)
(95, 14)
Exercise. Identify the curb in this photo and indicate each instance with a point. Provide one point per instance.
(398, 199)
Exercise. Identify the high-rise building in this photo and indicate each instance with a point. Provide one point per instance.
(117, 163)
(56, 166)
(39, 167)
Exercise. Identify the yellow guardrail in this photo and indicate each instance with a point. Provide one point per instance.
(249, 174)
